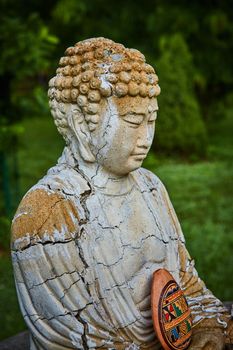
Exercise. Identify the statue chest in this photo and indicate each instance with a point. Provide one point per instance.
(126, 242)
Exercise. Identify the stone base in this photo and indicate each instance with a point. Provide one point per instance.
(17, 342)
(21, 342)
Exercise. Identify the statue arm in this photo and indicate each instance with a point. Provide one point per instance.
(209, 315)
(57, 286)
(48, 270)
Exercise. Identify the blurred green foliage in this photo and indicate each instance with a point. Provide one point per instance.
(182, 129)
(201, 193)
(190, 46)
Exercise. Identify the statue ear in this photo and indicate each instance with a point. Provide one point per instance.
(78, 125)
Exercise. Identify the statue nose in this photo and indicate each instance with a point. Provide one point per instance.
(145, 138)
(145, 144)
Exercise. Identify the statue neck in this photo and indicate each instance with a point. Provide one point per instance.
(103, 180)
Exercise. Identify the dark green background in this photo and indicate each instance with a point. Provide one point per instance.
(190, 45)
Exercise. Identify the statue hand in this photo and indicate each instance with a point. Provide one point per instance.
(208, 335)
(207, 341)
(229, 333)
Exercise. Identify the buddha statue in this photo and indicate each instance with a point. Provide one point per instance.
(88, 236)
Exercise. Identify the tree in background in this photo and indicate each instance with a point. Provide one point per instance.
(190, 44)
(26, 47)
(30, 48)
(206, 27)
(173, 35)
(180, 128)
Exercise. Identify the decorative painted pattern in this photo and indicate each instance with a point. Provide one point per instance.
(175, 317)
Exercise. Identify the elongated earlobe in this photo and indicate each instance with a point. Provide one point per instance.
(77, 123)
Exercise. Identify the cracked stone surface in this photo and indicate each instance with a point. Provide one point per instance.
(88, 236)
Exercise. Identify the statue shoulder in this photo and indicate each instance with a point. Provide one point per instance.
(150, 179)
(51, 210)
(154, 183)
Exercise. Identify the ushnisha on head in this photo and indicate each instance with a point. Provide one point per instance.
(103, 100)
(96, 69)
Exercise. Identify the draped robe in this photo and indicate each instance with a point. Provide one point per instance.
(84, 257)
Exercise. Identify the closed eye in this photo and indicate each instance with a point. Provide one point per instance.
(133, 119)
(153, 117)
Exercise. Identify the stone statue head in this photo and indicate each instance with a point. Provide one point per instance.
(103, 100)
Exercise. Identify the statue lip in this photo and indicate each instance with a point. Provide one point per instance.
(139, 154)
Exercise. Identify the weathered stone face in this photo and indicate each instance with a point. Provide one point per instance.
(94, 70)
(125, 133)
(88, 236)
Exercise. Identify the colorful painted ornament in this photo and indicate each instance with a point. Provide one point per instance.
(171, 314)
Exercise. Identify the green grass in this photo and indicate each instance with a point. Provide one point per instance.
(202, 197)
(11, 320)
(201, 193)
(41, 147)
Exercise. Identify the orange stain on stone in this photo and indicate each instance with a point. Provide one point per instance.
(136, 104)
(41, 212)
(192, 285)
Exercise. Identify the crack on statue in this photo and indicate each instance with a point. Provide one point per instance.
(96, 172)
(107, 126)
(66, 193)
(84, 196)
(86, 266)
(43, 243)
(52, 278)
(80, 251)
(109, 117)
(83, 200)
(84, 335)
(107, 227)
(124, 284)
(66, 289)
(129, 324)
(70, 313)
(80, 233)
(53, 190)
(87, 285)
(30, 315)
(99, 149)
(155, 218)
(109, 265)
(139, 246)
(149, 190)
(51, 210)
(108, 341)
(49, 187)
(84, 133)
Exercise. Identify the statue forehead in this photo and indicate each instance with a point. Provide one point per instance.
(137, 104)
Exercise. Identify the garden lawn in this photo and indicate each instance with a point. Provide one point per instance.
(200, 192)
(202, 196)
